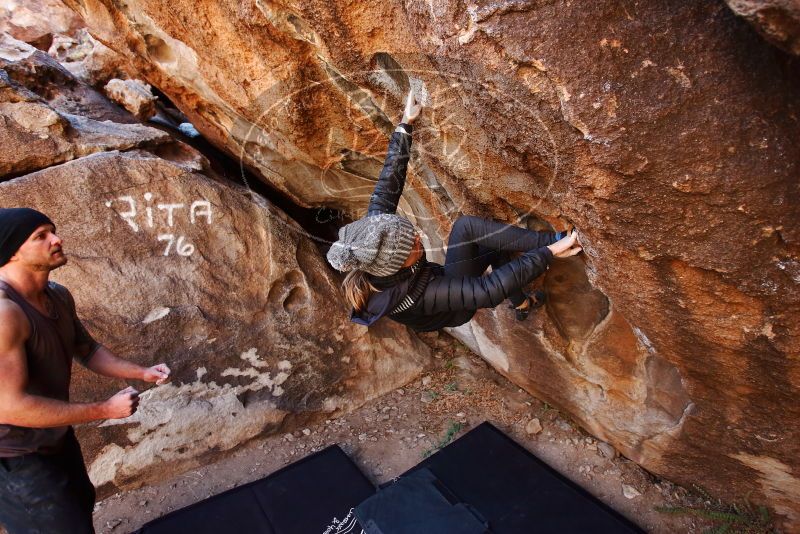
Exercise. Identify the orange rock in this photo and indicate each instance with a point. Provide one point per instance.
(667, 133)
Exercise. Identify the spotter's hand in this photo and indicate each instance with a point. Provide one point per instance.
(158, 374)
(121, 405)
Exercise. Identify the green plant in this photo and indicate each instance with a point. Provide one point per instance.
(449, 364)
(734, 518)
(452, 386)
(433, 395)
(452, 430)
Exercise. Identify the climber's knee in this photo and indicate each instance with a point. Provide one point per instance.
(463, 226)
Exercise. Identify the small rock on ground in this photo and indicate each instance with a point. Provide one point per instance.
(630, 492)
(534, 426)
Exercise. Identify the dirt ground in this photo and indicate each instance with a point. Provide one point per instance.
(391, 434)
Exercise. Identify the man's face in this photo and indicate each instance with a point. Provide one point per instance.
(42, 251)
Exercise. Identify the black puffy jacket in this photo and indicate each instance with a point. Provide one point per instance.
(445, 300)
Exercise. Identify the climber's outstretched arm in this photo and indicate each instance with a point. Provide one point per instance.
(393, 176)
(449, 294)
(457, 293)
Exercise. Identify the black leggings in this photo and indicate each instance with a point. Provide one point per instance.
(47, 493)
(475, 244)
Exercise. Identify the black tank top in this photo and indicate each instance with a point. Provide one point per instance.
(54, 341)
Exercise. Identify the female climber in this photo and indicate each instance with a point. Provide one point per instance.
(388, 274)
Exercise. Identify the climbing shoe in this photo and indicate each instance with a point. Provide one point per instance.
(535, 300)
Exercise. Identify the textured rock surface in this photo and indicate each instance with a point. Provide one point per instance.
(52, 27)
(220, 285)
(666, 131)
(35, 135)
(133, 95)
(45, 77)
(777, 20)
(37, 21)
(169, 263)
(88, 59)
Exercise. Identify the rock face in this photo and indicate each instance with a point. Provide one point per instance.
(167, 262)
(88, 59)
(777, 20)
(35, 135)
(40, 74)
(37, 21)
(52, 27)
(666, 131)
(134, 96)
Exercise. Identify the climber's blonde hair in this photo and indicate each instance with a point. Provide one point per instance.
(357, 289)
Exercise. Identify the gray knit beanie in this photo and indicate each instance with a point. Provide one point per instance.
(377, 244)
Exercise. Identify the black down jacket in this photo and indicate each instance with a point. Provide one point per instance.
(445, 300)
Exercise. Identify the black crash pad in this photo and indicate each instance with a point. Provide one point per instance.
(314, 495)
(418, 502)
(511, 490)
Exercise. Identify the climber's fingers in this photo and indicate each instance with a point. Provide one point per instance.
(413, 100)
(569, 252)
(411, 97)
(413, 107)
(565, 243)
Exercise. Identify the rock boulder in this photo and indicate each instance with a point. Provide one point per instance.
(666, 131)
(168, 264)
(37, 21)
(36, 135)
(777, 20)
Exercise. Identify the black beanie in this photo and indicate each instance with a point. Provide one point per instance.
(16, 226)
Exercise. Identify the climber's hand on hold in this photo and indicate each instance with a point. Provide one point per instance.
(566, 247)
(570, 252)
(577, 241)
(413, 108)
